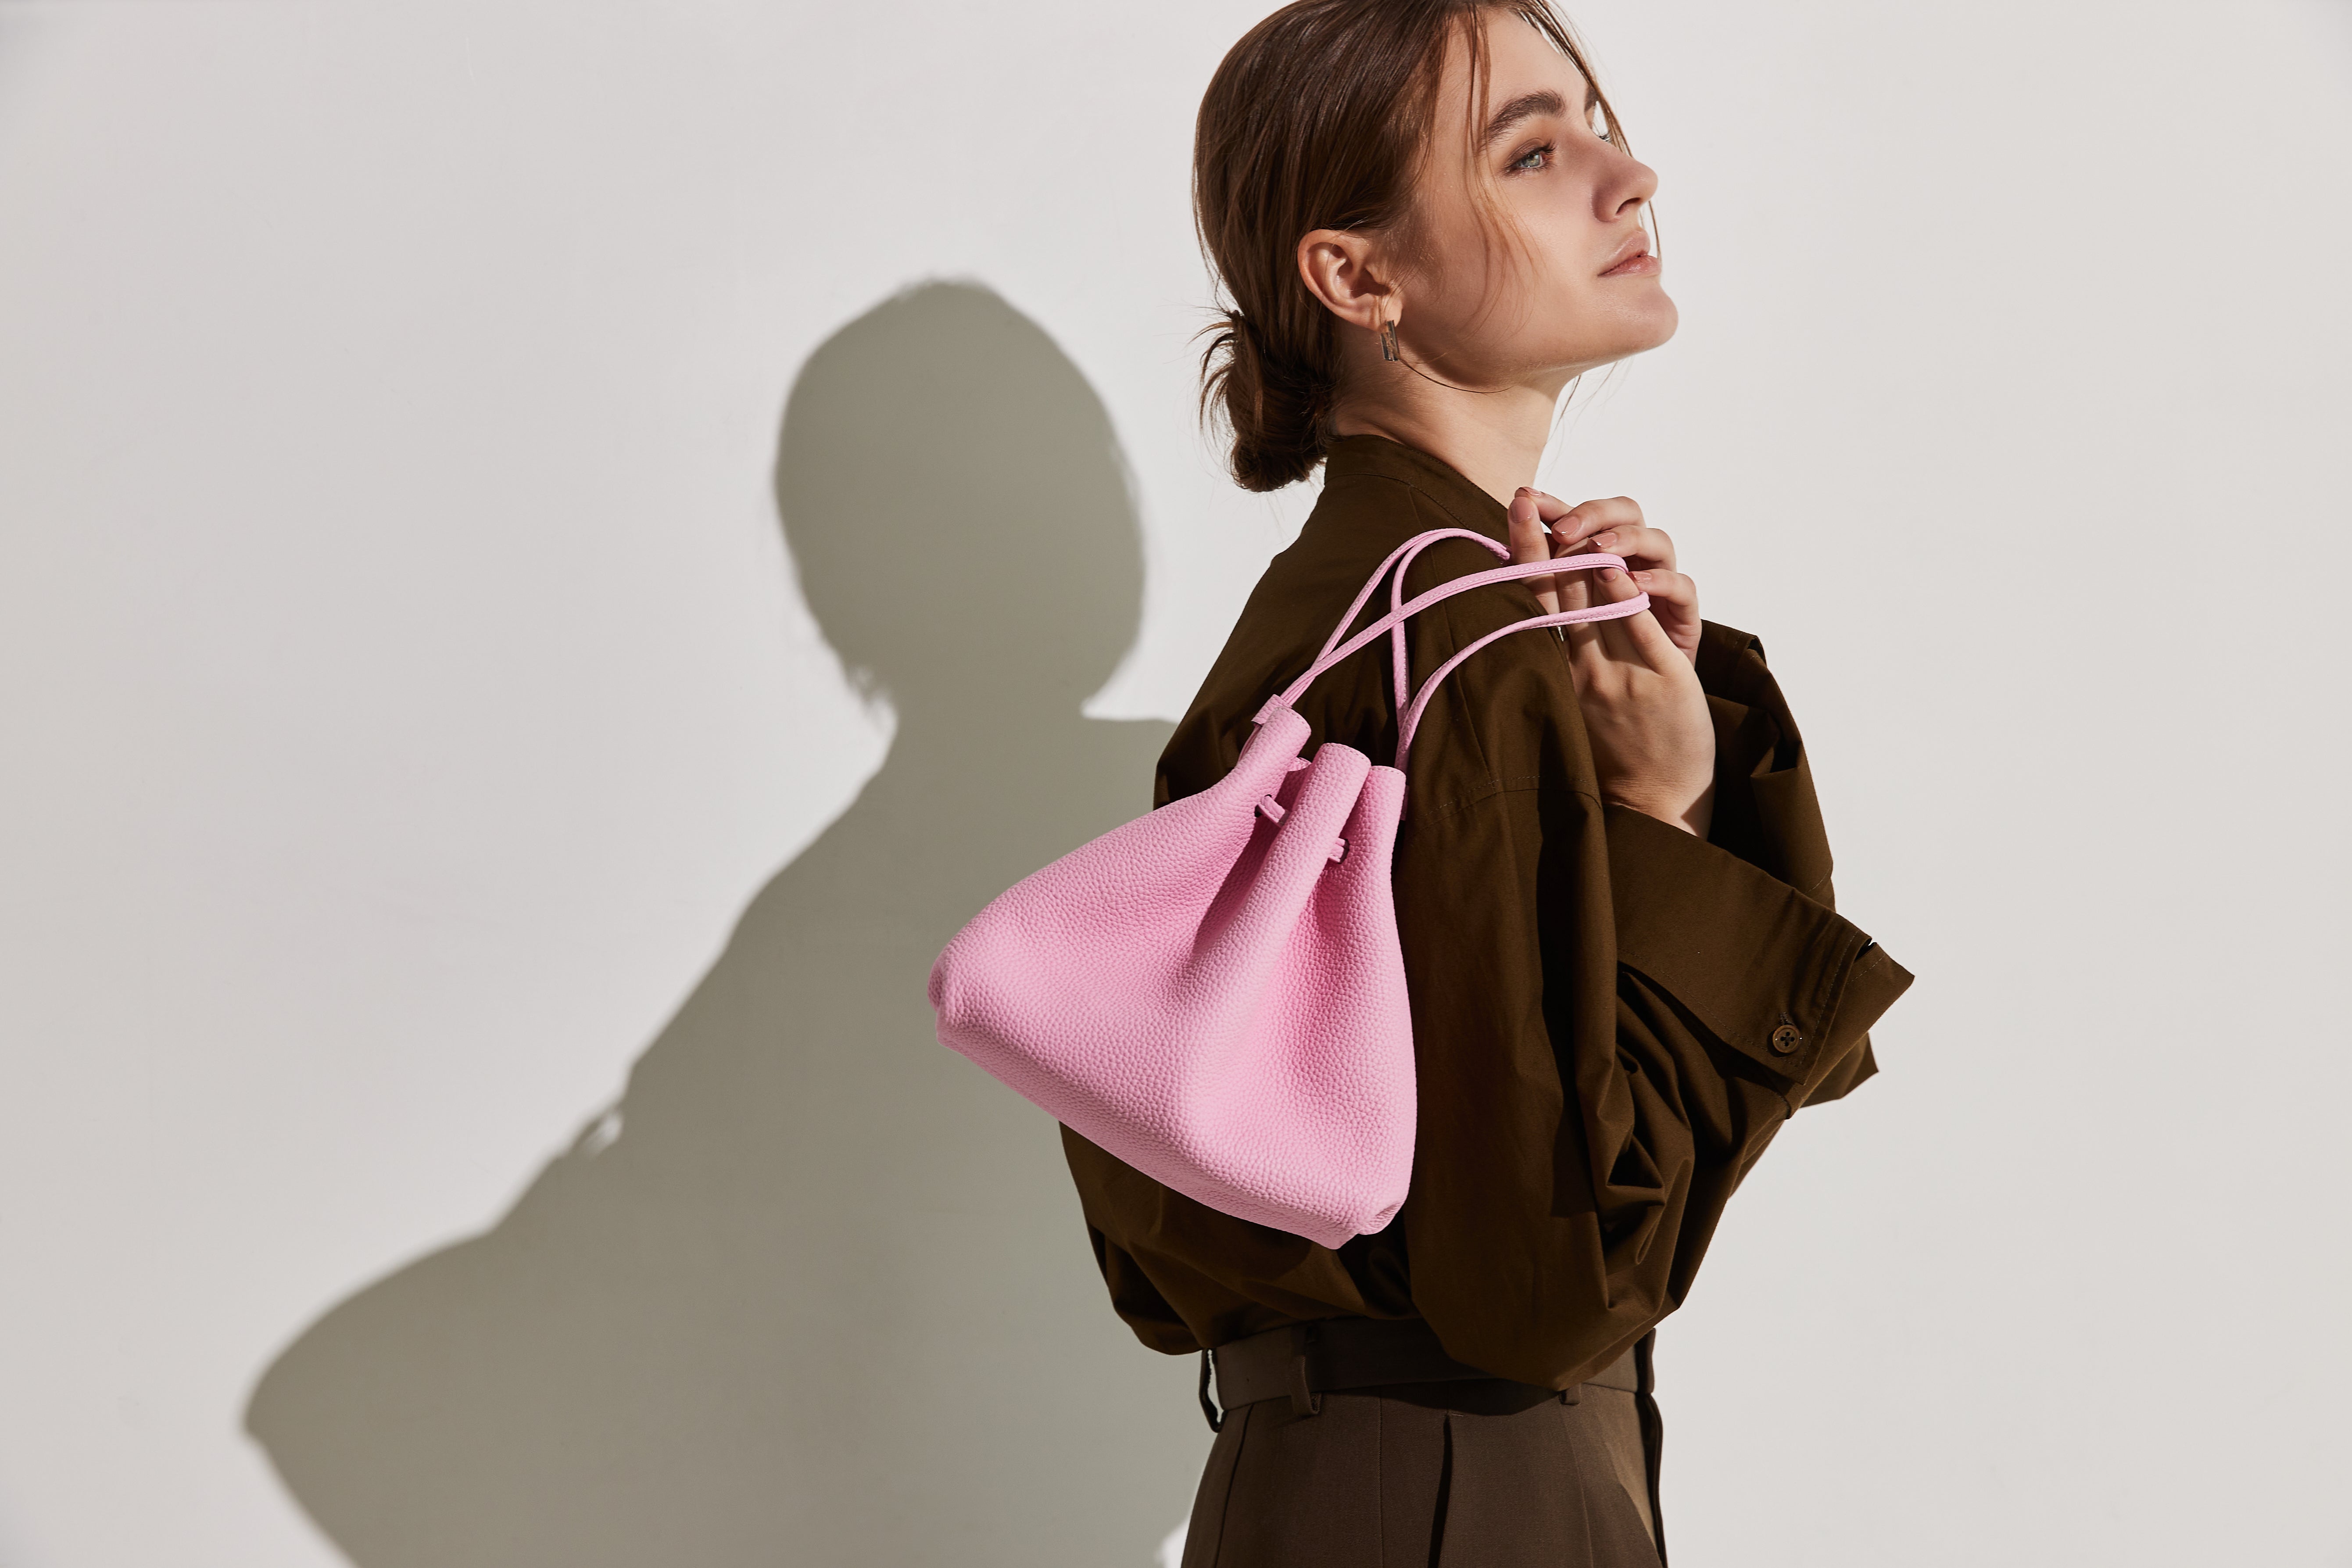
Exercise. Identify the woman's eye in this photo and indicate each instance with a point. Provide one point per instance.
(1532, 160)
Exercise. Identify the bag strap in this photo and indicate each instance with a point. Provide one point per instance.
(1400, 561)
(1410, 711)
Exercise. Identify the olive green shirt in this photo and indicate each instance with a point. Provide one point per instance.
(1612, 1017)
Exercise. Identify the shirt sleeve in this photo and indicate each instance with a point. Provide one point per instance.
(1603, 1058)
(1768, 973)
(1767, 812)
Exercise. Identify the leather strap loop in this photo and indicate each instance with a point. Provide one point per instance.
(1305, 1400)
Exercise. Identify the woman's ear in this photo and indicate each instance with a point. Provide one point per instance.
(1343, 269)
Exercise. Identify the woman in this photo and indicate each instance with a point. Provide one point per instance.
(1612, 882)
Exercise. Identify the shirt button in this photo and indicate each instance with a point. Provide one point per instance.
(1786, 1039)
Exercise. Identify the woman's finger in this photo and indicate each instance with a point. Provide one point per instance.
(1576, 589)
(1673, 599)
(1577, 523)
(1526, 529)
(1529, 542)
(1641, 546)
(1638, 641)
(1604, 586)
(1670, 587)
(1651, 644)
(1550, 508)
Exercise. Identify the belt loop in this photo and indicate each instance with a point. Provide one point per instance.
(1304, 1400)
(1572, 1395)
(1208, 1405)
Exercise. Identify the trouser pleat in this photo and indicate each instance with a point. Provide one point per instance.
(1366, 1481)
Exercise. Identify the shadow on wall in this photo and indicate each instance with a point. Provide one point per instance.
(826, 1298)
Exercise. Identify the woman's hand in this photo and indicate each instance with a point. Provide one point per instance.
(1653, 740)
(1614, 527)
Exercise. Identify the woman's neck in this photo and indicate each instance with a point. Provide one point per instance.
(1493, 439)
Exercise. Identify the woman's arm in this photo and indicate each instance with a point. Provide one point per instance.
(1613, 1015)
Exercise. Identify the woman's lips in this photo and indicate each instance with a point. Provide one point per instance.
(1634, 259)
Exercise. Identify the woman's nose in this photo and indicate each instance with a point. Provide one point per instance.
(1629, 184)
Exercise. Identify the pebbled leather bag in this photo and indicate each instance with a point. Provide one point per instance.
(1213, 993)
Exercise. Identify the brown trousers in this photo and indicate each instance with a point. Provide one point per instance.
(1374, 1480)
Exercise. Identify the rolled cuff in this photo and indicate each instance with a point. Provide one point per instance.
(1782, 980)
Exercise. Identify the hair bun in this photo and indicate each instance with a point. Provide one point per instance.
(1276, 408)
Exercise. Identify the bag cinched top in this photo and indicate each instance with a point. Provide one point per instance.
(1213, 993)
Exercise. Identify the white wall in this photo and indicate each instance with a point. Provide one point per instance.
(404, 687)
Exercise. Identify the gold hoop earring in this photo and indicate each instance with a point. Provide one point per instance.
(1388, 342)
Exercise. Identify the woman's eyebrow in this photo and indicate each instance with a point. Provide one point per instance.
(1526, 106)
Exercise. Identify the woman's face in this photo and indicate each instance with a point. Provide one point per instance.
(1580, 288)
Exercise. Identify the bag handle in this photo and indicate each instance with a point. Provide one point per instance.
(1410, 721)
(1410, 711)
(1401, 561)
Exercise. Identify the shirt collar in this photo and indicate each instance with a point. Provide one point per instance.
(1351, 457)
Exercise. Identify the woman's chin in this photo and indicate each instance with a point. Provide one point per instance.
(1665, 319)
(1642, 318)
(1621, 322)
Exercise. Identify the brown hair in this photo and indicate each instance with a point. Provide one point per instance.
(1319, 118)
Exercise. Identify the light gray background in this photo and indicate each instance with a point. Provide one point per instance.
(405, 688)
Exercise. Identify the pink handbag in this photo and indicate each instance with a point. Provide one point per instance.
(1213, 993)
